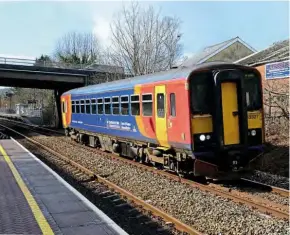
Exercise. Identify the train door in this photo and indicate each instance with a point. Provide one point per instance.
(229, 109)
(160, 115)
(64, 111)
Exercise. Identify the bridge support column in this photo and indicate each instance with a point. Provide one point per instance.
(57, 95)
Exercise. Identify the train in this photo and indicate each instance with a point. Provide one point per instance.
(202, 121)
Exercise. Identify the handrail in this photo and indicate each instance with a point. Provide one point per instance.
(21, 61)
(53, 64)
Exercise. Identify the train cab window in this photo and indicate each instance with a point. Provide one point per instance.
(88, 107)
(77, 106)
(135, 105)
(73, 106)
(125, 105)
(100, 106)
(172, 105)
(82, 106)
(160, 105)
(201, 92)
(93, 106)
(252, 91)
(115, 105)
(147, 104)
(108, 105)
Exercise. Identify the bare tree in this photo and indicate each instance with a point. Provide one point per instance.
(144, 42)
(276, 98)
(276, 101)
(43, 60)
(78, 48)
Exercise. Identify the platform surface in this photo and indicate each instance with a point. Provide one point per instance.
(35, 200)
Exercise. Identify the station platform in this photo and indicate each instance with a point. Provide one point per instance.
(36, 200)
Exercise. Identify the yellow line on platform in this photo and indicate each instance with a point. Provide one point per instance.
(40, 218)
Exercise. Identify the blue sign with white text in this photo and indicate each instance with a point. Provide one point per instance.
(277, 70)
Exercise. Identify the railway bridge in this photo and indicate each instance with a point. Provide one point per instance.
(55, 76)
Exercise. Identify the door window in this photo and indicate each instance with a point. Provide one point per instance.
(160, 105)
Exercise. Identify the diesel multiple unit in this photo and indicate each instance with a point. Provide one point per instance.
(205, 120)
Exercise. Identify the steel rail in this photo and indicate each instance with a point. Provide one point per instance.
(280, 191)
(263, 205)
(178, 224)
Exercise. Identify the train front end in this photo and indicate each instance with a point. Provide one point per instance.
(226, 119)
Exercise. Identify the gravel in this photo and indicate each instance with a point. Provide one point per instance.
(270, 179)
(204, 211)
(273, 197)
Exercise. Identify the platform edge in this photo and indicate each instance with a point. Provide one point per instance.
(100, 213)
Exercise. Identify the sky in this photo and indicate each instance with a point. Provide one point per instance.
(29, 29)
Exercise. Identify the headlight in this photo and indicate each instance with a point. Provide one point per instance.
(208, 137)
(253, 132)
(202, 137)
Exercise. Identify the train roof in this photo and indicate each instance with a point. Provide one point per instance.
(180, 72)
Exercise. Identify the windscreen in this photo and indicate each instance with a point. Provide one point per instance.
(202, 93)
(252, 91)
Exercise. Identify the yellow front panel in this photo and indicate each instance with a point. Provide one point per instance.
(229, 106)
(160, 122)
(201, 124)
(255, 119)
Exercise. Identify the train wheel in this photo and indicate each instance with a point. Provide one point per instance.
(137, 159)
(66, 132)
(78, 139)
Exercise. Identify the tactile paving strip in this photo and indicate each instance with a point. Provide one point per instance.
(16, 216)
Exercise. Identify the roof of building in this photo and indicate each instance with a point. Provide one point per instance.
(181, 72)
(278, 51)
(208, 52)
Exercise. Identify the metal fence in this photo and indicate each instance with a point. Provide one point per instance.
(30, 62)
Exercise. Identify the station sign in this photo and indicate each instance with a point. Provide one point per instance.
(277, 70)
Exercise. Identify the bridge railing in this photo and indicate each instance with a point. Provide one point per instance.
(17, 61)
(30, 62)
(103, 68)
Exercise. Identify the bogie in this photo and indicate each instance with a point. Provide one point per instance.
(158, 158)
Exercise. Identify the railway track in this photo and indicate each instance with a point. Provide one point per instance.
(266, 187)
(265, 206)
(126, 194)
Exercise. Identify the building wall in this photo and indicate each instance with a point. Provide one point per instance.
(275, 93)
(233, 53)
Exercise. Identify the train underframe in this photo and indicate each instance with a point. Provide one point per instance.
(180, 161)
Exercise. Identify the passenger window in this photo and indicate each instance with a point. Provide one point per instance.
(125, 105)
(172, 105)
(73, 107)
(93, 106)
(115, 105)
(107, 105)
(77, 106)
(82, 106)
(100, 106)
(88, 107)
(160, 105)
(135, 105)
(147, 104)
